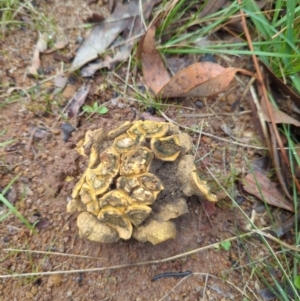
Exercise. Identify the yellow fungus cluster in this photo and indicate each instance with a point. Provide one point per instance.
(117, 190)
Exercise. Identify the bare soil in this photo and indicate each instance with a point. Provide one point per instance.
(48, 168)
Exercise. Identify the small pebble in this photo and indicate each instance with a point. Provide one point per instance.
(67, 130)
(260, 208)
(208, 58)
(240, 199)
(199, 104)
(151, 110)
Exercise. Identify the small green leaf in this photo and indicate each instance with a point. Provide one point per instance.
(95, 109)
(87, 109)
(102, 110)
(297, 282)
(226, 245)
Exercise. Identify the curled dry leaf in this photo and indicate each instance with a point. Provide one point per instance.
(154, 71)
(200, 79)
(41, 46)
(78, 100)
(260, 185)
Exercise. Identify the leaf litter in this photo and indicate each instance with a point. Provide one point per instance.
(126, 19)
(258, 184)
(203, 79)
(279, 116)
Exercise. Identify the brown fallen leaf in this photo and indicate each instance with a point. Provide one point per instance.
(279, 116)
(154, 71)
(201, 79)
(260, 185)
(41, 46)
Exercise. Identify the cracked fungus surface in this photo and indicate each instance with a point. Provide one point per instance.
(137, 181)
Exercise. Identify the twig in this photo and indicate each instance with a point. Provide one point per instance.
(280, 242)
(204, 115)
(209, 135)
(51, 253)
(30, 141)
(163, 297)
(127, 265)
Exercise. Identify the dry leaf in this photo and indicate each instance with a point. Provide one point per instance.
(78, 100)
(108, 62)
(154, 71)
(41, 46)
(105, 33)
(279, 116)
(267, 190)
(122, 47)
(199, 80)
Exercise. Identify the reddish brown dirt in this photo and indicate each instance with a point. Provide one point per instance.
(47, 169)
(41, 194)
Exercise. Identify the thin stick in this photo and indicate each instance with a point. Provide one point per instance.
(280, 242)
(204, 115)
(198, 142)
(210, 135)
(205, 285)
(179, 282)
(52, 253)
(142, 263)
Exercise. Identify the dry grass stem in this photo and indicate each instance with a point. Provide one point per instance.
(126, 265)
(52, 253)
(210, 135)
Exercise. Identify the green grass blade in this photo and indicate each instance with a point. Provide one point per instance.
(11, 207)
